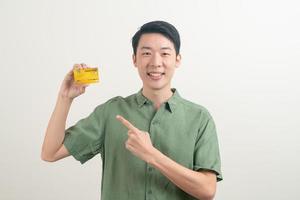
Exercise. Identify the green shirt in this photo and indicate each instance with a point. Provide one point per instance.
(182, 130)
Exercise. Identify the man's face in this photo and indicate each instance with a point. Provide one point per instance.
(156, 61)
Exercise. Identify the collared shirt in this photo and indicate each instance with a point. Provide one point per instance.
(180, 129)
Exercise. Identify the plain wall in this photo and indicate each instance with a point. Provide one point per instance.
(240, 59)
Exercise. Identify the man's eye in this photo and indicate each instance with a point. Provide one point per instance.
(165, 54)
(146, 53)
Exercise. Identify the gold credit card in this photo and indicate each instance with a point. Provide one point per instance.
(86, 75)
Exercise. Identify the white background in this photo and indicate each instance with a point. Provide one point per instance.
(240, 61)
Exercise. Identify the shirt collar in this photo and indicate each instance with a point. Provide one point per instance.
(170, 104)
(141, 99)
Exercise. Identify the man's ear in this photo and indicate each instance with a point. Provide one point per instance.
(178, 60)
(134, 59)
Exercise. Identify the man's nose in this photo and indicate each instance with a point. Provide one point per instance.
(156, 60)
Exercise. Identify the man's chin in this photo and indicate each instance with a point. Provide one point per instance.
(157, 87)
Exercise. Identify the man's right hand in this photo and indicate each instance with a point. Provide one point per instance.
(53, 148)
(69, 89)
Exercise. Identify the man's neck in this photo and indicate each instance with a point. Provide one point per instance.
(158, 97)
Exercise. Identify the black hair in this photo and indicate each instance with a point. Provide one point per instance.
(162, 27)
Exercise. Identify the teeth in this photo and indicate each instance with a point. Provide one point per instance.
(155, 74)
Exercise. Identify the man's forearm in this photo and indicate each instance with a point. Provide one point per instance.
(201, 185)
(55, 132)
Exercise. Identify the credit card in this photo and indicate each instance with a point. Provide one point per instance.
(86, 75)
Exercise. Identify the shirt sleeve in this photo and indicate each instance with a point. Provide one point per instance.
(85, 139)
(206, 154)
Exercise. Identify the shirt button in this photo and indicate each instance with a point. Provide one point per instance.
(150, 169)
(155, 122)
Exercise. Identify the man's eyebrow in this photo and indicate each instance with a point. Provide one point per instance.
(166, 48)
(163, 48)
(145, 47)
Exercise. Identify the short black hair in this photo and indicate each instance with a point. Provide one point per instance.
(162, 27)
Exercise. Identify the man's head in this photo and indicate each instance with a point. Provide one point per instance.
(161, 27)
(156, 54)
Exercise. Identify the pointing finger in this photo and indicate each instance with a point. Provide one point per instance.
(126, 123)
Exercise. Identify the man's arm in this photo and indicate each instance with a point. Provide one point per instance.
(201, 185)
(53, 148)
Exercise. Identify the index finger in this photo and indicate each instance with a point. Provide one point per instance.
(126, 123)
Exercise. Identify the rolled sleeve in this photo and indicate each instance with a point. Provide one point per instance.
(207, 155)
(85, 139)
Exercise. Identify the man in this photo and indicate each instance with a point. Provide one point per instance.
(154, 144)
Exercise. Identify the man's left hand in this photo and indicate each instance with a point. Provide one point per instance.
(138, 142)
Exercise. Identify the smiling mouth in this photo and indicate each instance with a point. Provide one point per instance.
(155, 75)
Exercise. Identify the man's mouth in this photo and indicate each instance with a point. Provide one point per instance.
(155, 75)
